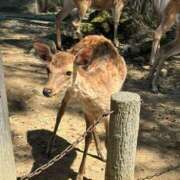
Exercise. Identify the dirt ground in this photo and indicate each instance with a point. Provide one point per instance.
(32, 116)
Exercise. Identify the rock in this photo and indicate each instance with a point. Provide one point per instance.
(164, 72)
(148, 126)
(166, 63)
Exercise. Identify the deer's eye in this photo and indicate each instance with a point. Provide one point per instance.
(68, 73)
(85, 61)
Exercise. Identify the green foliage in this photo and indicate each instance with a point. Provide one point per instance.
(87, 28)
(103, 16)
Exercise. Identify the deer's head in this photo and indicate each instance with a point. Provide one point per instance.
(59, 68)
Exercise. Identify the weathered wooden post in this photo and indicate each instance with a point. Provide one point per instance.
(7, 163)
(123, 133)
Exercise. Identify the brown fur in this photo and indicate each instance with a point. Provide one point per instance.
(93, 83)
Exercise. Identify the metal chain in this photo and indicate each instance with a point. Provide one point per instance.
(171, 168)
(66, 151)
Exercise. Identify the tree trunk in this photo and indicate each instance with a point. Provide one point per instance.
(123, 133)
(7, 164)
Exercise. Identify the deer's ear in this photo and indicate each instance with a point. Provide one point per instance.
(43, 51)
(83, 58)
(105, 48)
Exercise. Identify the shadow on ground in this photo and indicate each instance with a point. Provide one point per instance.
(38, 140)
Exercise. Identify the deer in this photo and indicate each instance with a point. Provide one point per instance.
(91, 71)
(82, 6)
(169, 11)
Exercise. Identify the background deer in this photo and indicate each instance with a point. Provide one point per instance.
(93, 71)
(82, 6)
(169, 10)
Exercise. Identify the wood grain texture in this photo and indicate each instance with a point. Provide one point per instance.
(7, 163)
(123, 133)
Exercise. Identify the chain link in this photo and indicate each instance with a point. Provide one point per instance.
(166, 170)
(66, 151)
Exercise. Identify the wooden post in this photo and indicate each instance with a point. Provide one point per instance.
(123, 133)
(7, 163)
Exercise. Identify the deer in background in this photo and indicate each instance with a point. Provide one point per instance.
(82, 7)
(91, 71)
(169, 11)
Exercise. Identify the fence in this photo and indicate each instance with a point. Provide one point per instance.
(26, 6)
(30, 6)
(7, 164)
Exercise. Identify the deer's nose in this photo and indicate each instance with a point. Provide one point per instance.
(47, 92)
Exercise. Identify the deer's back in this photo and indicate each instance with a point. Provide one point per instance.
(102, 4)
(94, 88)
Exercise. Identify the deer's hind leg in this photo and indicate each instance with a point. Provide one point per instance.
(172, 48)
(117, 11)
(168, 20)
(98, 146)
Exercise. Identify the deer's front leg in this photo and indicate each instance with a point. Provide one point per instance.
(167, 21)
(87, 143)
(168, 50)
(58, 120)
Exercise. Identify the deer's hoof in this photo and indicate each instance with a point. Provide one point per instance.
(58, 45)
(116, 43)
(151, 62)
(101, 156)
(103, 159)
(79, 177)
(78, 35)
(59, 48)
(49, 152)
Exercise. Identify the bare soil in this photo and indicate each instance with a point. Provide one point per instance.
(32, 116)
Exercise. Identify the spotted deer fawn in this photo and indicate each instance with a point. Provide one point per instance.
(82, 6)
(169, 11)
(91, 71)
